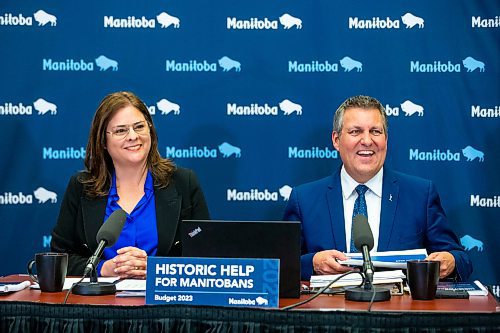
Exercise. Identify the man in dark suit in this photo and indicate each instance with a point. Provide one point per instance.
(404, 212)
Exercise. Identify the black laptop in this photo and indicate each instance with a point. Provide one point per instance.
(248, 239)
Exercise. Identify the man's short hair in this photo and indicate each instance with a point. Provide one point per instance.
(364, 102)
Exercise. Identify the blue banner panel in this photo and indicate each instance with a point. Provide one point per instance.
(213, 281)
(243, 92)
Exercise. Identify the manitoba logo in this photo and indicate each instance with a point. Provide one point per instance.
(252, 195)
(408, 19)
(312, 153)
(408, 107)
(447, 155)
(259, 194)
(447, 66)
(225, 149)
(253, 109)
(68, 153)
(40, 105)
(103, 63)
(226, 64)
(315, 66)
(41, 194)
(41, 17)
(286, 20)
(286, 106)
(131, 22)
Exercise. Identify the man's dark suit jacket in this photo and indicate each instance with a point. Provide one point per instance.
(411, 218)
(81, 217)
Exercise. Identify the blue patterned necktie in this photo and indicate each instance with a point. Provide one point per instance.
(359, 208)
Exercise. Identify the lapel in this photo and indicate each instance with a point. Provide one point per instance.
(168, 210)
(93, 211)
(336, 209)
(390, 197)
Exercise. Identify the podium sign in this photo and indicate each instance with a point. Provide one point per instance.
(213, 281)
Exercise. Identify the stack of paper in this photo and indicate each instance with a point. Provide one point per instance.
(388, 259)
(391, 279)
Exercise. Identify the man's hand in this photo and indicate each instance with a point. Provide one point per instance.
(447, 262)
(324, 262)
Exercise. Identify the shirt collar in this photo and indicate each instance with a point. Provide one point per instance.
(349, 184)
(148, 186)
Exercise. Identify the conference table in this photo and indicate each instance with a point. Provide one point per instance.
(30, 310)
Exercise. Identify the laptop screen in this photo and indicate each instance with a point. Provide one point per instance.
(248, 239)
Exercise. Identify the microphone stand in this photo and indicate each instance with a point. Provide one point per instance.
(94, 288)
(368, 291)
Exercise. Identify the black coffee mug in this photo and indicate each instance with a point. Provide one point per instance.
(423, 278)
(51, 270)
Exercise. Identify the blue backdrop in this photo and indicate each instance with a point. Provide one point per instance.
(243, 92)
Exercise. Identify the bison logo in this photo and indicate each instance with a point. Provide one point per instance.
(42, 106)
(469, 242)
(410, 108)
(472, 64)
(288, 107)
(227, 150)
(289, 21)
(261, 301)
(227, 64)
(348, 64)
(43, 18)
(411, 20)
(285, 192)
(104, 63)
(471, 154)
(165, 106)
(167, 20)
(44, 195)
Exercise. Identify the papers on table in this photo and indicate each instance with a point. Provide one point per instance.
(7, 288)
(473, 289)
(387, 259)
(127, 284)
(392, 279)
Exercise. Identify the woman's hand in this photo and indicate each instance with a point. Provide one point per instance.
(129, 263)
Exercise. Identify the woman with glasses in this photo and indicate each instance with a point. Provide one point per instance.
(124, 170)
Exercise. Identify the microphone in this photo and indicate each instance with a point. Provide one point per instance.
(363, 240)
(107, 235)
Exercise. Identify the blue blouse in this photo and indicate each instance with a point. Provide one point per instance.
(140, 227)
